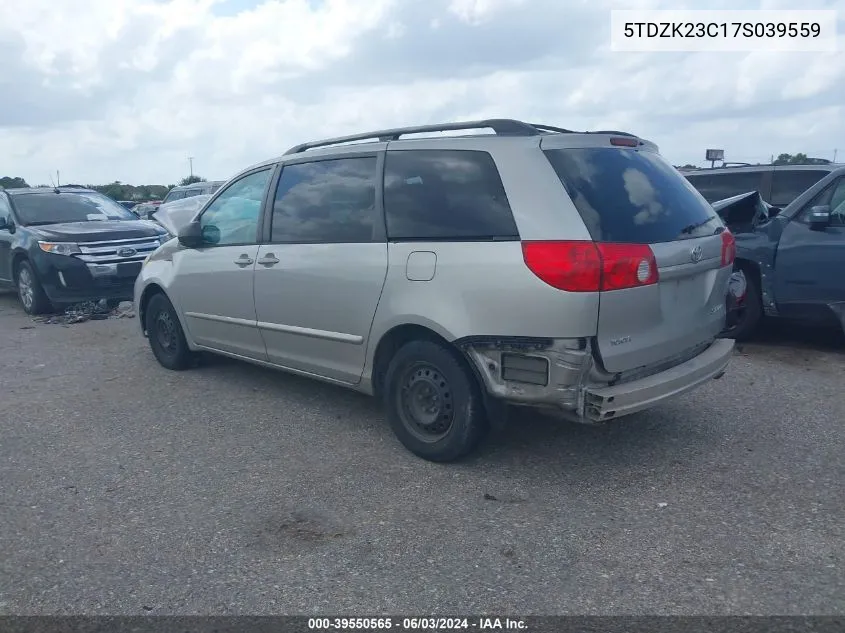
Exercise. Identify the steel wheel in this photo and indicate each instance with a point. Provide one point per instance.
(166, 332)
(425, 403)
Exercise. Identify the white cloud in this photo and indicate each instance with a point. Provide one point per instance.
(128, 89)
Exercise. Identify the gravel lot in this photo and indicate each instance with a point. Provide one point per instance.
(125, 488)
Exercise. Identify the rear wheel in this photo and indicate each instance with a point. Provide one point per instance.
(433, 402)
(742, 321)
(30, 292)
(167, 340)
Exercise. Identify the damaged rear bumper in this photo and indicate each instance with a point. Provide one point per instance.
(561, 377)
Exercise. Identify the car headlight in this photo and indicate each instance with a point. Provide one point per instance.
(60, 248)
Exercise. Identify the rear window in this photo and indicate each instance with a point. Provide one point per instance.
(630, 196)
(445, 195)
(788, 185)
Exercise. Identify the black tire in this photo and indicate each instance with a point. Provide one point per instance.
(167, 340)
(433, 402)
(30, 291)
(746, 320)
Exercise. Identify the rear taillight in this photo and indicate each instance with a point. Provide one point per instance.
(591, 267)
(728, 248)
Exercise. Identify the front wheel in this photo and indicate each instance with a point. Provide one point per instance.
(167, 340)
(433, 402)
(30, 291)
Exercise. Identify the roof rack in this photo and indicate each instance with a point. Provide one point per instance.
(502, 127)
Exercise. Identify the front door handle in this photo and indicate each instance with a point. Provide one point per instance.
(268, 260)
(244, 260)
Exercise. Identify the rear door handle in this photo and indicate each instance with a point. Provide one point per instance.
(244, 260)
(268, 260)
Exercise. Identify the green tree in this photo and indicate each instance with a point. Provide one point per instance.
(14, 182)
(189, 180)
(793, 159)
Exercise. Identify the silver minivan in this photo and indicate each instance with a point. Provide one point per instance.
(455, 276)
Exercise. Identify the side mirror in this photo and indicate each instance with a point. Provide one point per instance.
(819, 217)
(190, 235)
(4, 223)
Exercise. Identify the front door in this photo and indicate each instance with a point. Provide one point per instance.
(810, 260)
(318, 281)
(213, 284)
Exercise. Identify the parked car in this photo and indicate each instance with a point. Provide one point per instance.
(129, 204)
(791, 260)
(65, 245)
(195, 189)
(174, 215)
(454, 276)
(146, 209)
(778, 185)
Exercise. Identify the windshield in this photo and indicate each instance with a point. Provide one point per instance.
(632, 196)
(55, 208)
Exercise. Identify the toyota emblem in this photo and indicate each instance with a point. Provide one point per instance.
(127, 251)
(695, 254)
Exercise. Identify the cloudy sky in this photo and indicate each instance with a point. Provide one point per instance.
(106, 90)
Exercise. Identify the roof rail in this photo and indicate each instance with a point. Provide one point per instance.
(615, 132)
(502, 127)
(550, 128)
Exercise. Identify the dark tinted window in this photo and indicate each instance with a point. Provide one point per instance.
(54, 208)
(330, 201)
(788, 185)
(718, 186)
(5, 210)
(445, 194)
(632, 197)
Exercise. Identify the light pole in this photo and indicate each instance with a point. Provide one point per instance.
(191, 163)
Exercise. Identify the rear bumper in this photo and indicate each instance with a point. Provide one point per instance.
(568, 388)
(606, 403)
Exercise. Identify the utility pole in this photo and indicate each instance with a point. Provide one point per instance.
(834, 154)
(191, 163)
(58, 182)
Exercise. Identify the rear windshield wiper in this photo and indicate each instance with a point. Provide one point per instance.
(689, 229)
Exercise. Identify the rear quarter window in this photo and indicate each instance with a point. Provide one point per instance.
(629, 196)
(445, 195)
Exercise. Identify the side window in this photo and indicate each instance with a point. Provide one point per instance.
(5, 209)
(329, 201)
(715, 186)
(445, 194)
(832, 196)
(788, 185)
(233, 217)
(192, 192)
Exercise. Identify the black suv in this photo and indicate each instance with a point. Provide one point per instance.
(65, 245)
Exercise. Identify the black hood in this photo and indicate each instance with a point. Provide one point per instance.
(98, 231)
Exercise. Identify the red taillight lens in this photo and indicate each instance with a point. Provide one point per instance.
(590, 267)
(728, 248)
(572, 266)
(627, 266)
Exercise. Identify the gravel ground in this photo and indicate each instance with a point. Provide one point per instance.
(128, 489)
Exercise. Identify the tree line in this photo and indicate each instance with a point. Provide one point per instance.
(115, 190)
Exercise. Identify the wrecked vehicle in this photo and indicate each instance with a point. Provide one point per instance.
(790, 262)
(451, 277)
(174, 215)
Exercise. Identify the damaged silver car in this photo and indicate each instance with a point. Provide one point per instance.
(455, 276)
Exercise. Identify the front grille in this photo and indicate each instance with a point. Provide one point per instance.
(110, 252)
